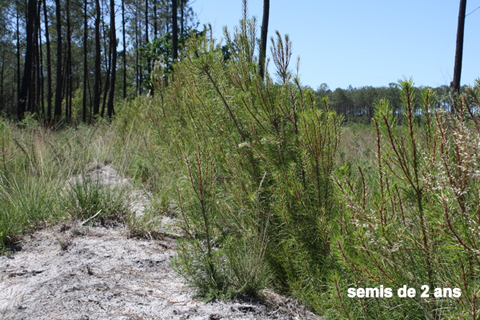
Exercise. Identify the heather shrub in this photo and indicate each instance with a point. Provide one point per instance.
(415, 222)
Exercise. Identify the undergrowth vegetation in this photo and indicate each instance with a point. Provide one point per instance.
(252, 163)
(414, 222)
(45, 177)
(272, 191)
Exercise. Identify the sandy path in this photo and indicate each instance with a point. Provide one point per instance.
(103, 275)
(74, 272)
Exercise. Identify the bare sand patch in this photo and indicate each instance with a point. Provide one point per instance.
(71, 271)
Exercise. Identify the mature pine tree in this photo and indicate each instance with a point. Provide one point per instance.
(85, 61)
(455, 85)
(147, 38)
(2, 77)
(138, 70)
(29, 58)
(263, 38)
(59, 88)
(113, 63)
(147, 23)
(37, 97)
(155, 19)
(96, 85)
(124, 52)
(49, 64)
(174, 30)
(182, 16)
(18, 77)
(68, 67)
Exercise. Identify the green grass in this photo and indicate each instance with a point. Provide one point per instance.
(45, 177)
(86, 196)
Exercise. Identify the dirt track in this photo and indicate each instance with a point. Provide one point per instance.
(75, 272)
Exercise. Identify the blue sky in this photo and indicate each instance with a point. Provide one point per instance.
(364, 42)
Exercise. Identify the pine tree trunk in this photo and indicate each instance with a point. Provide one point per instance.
(138, 75)
(19, 81)
(58, 88)
(49, 64)
(155, 18)
(455, 85)
(124, 52)
(174, 30)
(264, 35)
(69, 84)
(96, 86)
(108, 66)
(147, 40)
(2, 76)
(34, 100)
(29, 59)
(41, 78)
(146, 22)
(113, 64)
(182, 17)
(108, 62)
(85, 62)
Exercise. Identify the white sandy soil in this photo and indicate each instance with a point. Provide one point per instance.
(71, 271)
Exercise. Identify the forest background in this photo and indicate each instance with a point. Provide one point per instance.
(74, 73)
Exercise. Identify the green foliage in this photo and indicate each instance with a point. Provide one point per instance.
(159, 52)
(273, 192)
(414, 222)
(252, 161)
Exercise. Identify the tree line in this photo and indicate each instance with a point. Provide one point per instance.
(357, 104)
(71, 59)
